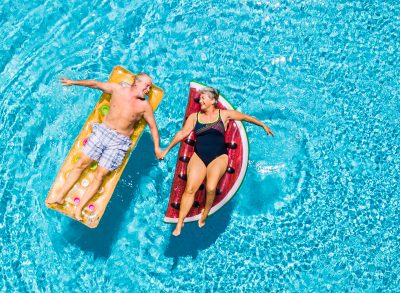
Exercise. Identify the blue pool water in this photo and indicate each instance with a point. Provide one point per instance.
(319, 208)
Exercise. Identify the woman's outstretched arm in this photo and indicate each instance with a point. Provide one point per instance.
(236, 115)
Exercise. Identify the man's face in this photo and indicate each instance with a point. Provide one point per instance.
(143, 86)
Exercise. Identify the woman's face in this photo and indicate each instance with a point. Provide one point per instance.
(206, 101)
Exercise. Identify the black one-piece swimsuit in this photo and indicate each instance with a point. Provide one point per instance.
(210, 142)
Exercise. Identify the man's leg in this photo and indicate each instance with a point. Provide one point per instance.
(196, 171)
(93, 187)
(72, 177)
(109, 159)
(215, 170)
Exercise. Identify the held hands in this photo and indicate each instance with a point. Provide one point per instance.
(67, 82)
(159, 153)
(163, 154)
(268, 130)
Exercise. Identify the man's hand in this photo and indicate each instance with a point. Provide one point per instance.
(67, 82)
(159, 154)
(164, 153)
(268, 130)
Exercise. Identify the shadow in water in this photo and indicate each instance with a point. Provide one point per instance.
(193, 239)
(100, 240)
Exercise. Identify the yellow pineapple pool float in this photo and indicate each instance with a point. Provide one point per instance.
(94, 209)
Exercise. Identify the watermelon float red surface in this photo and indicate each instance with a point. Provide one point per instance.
(238, 153)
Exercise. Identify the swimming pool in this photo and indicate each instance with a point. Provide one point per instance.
(318, 209)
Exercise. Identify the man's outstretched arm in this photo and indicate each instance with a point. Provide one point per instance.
(106, 87)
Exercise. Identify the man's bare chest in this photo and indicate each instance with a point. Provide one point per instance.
(127, 107)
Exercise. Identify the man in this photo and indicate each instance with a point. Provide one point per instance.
(110, 140)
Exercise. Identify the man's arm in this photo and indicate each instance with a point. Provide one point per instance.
(106, 87)
(149, 117)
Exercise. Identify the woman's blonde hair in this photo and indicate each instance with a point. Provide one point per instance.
(212, 93)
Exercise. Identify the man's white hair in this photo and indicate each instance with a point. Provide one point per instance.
(140, 76)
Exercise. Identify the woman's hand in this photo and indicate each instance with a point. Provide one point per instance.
(67, 82)
(159, 154)
(268, 130)
(164, 153)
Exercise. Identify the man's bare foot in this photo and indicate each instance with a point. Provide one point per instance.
(55, 200)
(178, 229)
(51, 201)
(59, 199)
(202, 220)
(78, 214)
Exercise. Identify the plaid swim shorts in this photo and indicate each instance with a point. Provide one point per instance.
(107, 146)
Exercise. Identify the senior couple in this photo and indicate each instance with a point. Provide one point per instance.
(110, 141)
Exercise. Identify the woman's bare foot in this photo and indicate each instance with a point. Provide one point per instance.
(202, 220)
(178, 229)
(78, 214)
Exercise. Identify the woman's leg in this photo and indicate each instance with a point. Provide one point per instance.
(196, 172)
(215, 170)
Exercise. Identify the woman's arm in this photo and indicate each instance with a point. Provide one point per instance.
(181, 134)
(236, 115)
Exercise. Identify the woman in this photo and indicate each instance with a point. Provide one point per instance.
(210, 158)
